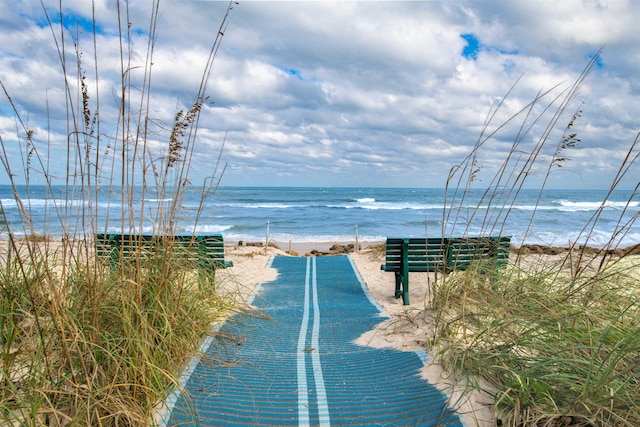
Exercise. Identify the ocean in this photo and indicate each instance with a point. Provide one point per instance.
(338, 215)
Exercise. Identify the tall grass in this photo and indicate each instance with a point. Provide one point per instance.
(556, 338)
(84, 341)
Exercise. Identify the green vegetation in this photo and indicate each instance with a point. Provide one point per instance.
(93, 345)
(555, 340)
(556, 350)
(84, 341)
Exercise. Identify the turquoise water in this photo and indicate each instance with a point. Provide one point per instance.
(337, 214)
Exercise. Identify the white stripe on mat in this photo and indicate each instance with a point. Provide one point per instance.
(303, 394)
(323, 407)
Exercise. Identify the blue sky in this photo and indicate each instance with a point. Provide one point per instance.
(472, 48)
(355, 93)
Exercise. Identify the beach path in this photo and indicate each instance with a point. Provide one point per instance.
(294, 361)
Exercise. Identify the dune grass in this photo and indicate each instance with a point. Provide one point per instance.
(557, 351)
(89, 348)
(555, 340)
(86, 341)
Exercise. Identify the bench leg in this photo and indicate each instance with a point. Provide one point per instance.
(398, 293)
(405, 271)
(405, 287)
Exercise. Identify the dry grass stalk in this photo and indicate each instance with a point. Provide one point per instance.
(556, 342)
(84, 341)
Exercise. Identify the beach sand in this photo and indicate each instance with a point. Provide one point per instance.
(408, 327)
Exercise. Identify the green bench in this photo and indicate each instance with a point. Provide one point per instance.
(204, 251)
(440, 254)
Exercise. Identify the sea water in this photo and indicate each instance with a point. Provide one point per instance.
(289, 214)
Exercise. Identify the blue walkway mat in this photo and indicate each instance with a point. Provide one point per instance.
(295, 361)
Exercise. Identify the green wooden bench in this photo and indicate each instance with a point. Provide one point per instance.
(405, 254)
(204, 251)
(419, 254)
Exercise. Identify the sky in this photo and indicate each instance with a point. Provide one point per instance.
(334, 93)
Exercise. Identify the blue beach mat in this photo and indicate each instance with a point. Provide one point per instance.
(294, 361)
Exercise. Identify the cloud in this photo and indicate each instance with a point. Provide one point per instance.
(334, 93)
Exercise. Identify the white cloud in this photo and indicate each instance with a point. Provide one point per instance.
(330, 93)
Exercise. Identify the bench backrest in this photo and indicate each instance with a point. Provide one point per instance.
(445, 254)
(463, 251)
(423, 254)
(207, 251)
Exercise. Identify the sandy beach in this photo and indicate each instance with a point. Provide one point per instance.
(408, 327)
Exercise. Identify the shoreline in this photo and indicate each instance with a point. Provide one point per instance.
(302, 247)
(324, 247)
